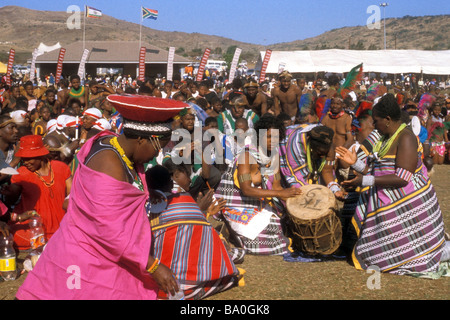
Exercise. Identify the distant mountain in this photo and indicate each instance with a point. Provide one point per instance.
(24, 29)
(420, 33)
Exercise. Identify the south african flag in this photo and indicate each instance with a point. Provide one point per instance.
(149, 13)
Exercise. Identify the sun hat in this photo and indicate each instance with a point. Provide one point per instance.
(31, 146)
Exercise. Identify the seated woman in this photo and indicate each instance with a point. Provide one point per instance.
(42, 185)
(252, 189)
(186, 242)
(398, 219)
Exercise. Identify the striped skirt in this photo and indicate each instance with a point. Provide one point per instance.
(399, 230)
(186, 243)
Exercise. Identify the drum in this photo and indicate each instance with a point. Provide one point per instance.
(314, 225)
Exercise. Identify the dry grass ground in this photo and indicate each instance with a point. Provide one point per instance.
(271, 278)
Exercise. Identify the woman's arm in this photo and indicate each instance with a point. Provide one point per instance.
(245, 183)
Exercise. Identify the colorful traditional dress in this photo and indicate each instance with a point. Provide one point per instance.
(255, 223)
(294, 156)
(436, 136)
(101, 248)
(226, 121)
(187, 243)
(400, 230)
(45, 195)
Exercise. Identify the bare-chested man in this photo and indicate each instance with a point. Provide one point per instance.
(340, 121)
(287, 96)
(256, 100)
(63, 95)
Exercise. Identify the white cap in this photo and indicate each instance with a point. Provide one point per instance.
(102, 124)
(18, 116)
(51, 125)
(93, 112)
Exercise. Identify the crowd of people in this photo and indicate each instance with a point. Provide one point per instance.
(143, 207)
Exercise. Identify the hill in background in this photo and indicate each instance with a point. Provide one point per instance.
(24, 29)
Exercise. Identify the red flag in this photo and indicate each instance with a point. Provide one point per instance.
(262, 75)
(142, 63)
(59, 67)
(12, 53)
(201, 68)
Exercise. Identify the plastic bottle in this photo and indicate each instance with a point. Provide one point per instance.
(37, 235)
(178, 295)
(8, 266)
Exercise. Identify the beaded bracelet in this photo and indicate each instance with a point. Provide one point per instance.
(368, 181)
(359, 166)
(154, 266)
(334, 187)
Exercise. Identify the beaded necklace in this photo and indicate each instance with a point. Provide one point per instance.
(47, 184)
(119, 149)
(310, 165)
(382, 147)
(137, 181)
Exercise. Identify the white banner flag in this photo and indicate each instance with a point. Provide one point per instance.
(82, 67)
(33, 64)
(234, 64)
(170, 63)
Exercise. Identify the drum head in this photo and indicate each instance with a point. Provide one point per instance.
(415, 125)
(316, 201)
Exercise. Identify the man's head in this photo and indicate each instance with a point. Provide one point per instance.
(285, 79)
(251, 88)
(8, 130)
(238, 105)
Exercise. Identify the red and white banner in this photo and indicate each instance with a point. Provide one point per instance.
(33, 65)
(142, 63)
(234, 64)
(201, 67)
(262, 75)
(82, 67)
(170, 63)
(12, 53)
(59, 67)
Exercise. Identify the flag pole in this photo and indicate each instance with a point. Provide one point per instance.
(140, 29)
(84, 27)
(84, 39)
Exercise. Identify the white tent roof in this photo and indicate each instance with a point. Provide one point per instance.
(340, 61)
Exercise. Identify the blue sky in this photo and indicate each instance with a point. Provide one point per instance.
(255, 21)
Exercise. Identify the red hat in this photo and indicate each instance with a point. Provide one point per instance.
(146, 108)
(31, 146)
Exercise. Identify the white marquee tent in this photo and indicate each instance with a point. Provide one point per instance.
(340, 61)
